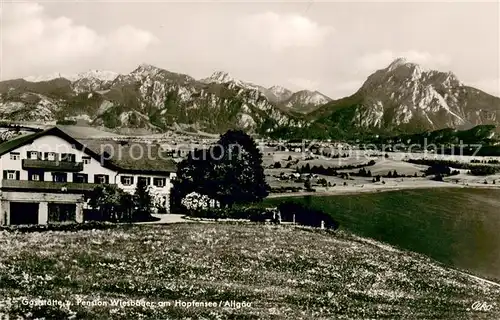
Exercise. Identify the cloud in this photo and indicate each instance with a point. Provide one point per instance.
(121, 39)
(304, 84)
(281, 31)
(34, 40)
(379, 60)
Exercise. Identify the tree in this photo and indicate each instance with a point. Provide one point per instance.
(307, 184)
(229, 172)
(277, 165)
(126, 207)
(306, 168)
(142, 200)
(105, 200)
(192, 176)
(237, 169)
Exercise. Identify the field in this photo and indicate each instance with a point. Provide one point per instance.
(278, 272)
(394, 161)
(459, 227)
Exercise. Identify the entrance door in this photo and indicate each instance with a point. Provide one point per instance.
(23, 213)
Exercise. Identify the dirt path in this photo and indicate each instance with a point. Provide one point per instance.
(166, 219)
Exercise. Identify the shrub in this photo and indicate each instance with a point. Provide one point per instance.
(285, 189)
(252, 214)
(307, 185)
(66, 122)
(483, 170)
(323, 182)
(438, 177)
(305, 215)
(258, 215)
(438, 168)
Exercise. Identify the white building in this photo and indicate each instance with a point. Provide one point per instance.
(45, 175)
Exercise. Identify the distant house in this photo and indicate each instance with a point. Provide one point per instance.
(45, 175)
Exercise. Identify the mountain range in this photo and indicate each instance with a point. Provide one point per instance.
(403, 97)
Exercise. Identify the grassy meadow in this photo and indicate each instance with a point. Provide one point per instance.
(459, 227)
(279, 272)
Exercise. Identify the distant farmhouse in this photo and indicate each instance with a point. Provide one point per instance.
(45, 175)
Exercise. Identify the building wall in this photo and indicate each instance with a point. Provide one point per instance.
(160, 194)
(43, 198)
(51, 143)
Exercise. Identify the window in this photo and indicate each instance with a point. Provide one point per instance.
(127, 180)
(80, 177)
(101, 178)
(159, 182)
(61, 212)
(86, 160)
(50, 156)
(15, 156)
(59, 177)
(35, 175)
(34, 155)
(146, 181)
(11, 174)
(68, 157)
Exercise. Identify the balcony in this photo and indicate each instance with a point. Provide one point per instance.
(48, 165)
(25, 185)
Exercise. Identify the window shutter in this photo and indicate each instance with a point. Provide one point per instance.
(132, 179)
(46, 156)
(18, 174)
(5, 174)
(28, 155)
(39, 156)
(106, 177)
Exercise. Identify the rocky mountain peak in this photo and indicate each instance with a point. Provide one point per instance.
(280, 92)
(279, 89)
(146, 69)
(97, 74)
(401, 96)
(221, 77)
(397, 63)
(312, 97)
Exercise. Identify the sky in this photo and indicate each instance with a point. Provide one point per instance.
(327, 46)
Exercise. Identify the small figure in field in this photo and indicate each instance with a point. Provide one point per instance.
(276, 217)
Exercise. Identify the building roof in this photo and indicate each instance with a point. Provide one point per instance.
(132, 156)
(112, 154)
